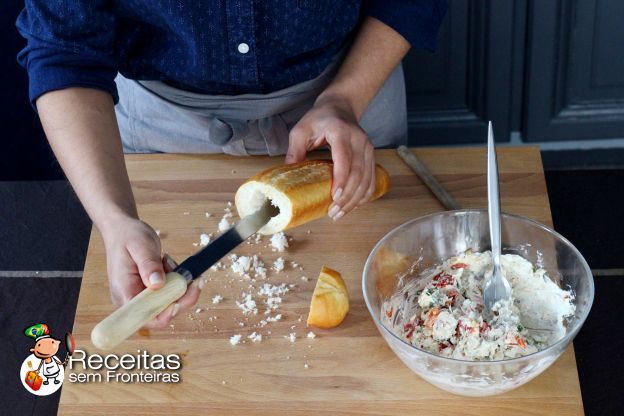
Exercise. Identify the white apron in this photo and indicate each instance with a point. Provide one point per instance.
(156, 117)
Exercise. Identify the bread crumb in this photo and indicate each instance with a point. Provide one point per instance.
(273, 302)
(223, 382)
(270, 290)
(274, 318)
(255, 337)
(248, 305)
(157, 232)
(279, 241)
(217, 299)
(278, 264)
(291, 337)
(311, 335)
(241, 265)
(305, 279)
(224, 225)
(306, 366)
(186, 213)
(235, 339)
(208, 215)
(204, 239)
(273, 294)
(258, 266)
(198, 310)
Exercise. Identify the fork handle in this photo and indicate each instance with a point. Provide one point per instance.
(494, 212)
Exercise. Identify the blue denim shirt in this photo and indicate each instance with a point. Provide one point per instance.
(213, 47)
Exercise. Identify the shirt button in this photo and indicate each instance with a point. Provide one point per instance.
(243, 48)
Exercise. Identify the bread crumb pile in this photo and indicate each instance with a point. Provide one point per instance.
(279, 242)
(247, 292)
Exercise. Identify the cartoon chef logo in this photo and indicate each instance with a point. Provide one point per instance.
(42, 372)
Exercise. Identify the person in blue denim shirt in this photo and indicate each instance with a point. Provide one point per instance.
(235, 76)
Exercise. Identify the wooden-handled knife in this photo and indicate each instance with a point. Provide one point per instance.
(126, 320)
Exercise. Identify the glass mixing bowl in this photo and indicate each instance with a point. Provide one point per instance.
(434, 238)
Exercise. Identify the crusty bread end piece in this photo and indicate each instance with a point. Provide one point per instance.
(330, 301)
(301, 191)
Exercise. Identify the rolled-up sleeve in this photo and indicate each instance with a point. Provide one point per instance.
(70, 43)
(417, 21)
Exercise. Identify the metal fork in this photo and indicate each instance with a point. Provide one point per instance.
(497, 288)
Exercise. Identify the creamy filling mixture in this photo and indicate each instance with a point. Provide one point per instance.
(441, 311)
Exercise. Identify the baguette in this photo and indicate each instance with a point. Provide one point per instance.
(301, 191)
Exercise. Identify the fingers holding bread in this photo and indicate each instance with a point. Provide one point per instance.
(353, 154)
(359, 181)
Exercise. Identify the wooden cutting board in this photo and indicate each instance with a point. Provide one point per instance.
(350, 370)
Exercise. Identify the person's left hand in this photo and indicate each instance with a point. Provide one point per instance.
(332, 122)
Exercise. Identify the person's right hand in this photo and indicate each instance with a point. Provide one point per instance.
(134, 262)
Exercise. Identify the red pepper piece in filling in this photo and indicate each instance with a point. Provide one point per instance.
(520, 342)
(459, 266)
(452, 295)
(432, 315)
(443, 280)
(409, 328)
(389, 313)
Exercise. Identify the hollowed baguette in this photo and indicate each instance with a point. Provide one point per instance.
(301, 191)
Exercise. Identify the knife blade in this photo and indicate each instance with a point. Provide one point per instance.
(194, 266)
(142, 308)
